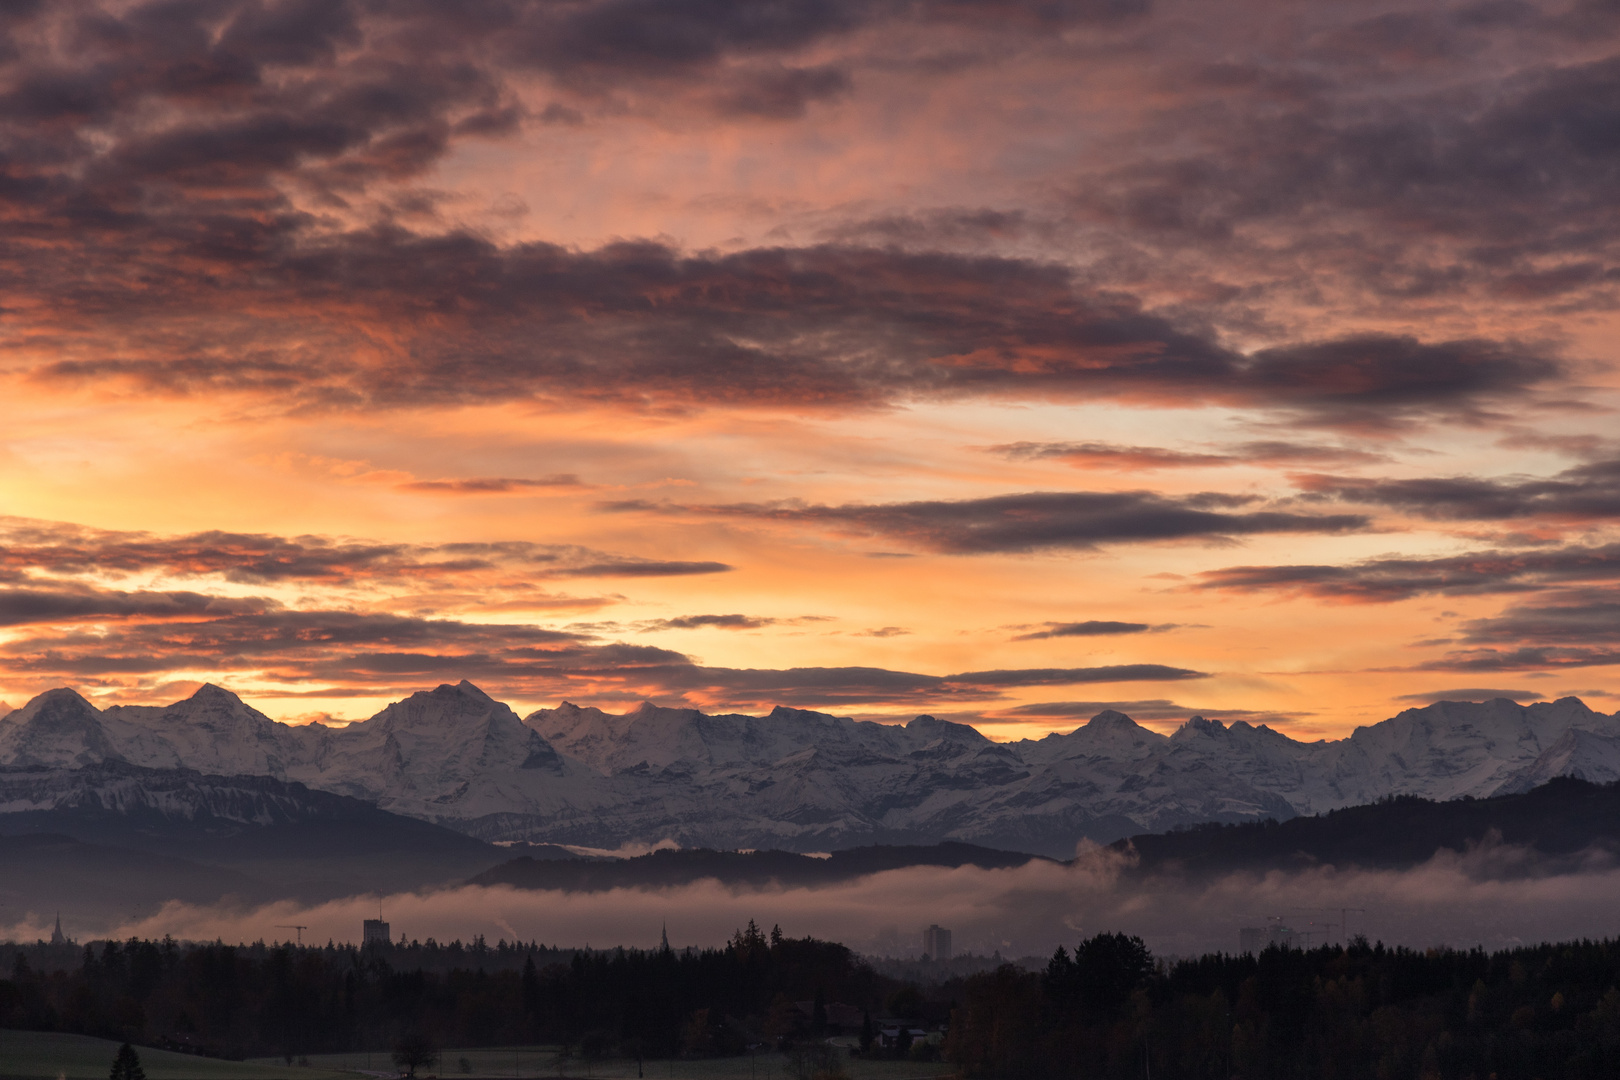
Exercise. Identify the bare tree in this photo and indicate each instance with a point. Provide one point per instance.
(414, 1051)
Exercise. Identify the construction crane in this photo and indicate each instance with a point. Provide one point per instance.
(1344, 918)
(294, 926)
(1306, 935)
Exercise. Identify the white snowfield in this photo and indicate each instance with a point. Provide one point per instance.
(808, 781)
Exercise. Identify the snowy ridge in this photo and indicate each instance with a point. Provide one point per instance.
(807, 781)
(173, 795)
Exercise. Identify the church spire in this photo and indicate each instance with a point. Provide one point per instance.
(57, 937)
(663, 944)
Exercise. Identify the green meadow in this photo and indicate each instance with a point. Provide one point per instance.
(37, 1055)
(541, 1063)
(54, 1056)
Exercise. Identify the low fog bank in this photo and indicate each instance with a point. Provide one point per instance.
(1494, 895)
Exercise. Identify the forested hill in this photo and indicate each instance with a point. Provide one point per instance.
(749, 868)
(1559, 819)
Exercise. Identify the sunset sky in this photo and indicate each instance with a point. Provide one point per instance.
(1004, 360)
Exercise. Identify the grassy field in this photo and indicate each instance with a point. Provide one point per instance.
(35, 1055)
(540, 1063)
(48, 1056)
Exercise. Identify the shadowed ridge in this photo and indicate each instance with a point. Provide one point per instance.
(1566, 822)
(667, 868)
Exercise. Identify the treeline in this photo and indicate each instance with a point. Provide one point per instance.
(242, 1001)
(1360, 1013)
(1107, 1009)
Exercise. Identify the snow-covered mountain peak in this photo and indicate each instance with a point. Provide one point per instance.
(1110, 734)
(1199, 727)
(214, 732)
(1110, 718)
(811, 780)
(444, 701)
(213, 692)
(58, 728)
(930, 728)
(57, 700)
(447, 715)
(452, 750)
(1578, 752)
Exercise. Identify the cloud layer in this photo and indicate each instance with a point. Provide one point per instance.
(1029, 344)
(241, 177)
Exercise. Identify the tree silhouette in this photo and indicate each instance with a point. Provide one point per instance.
(414, 1051)
(127, 1065)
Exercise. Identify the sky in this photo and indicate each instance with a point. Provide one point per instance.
(1003, 360)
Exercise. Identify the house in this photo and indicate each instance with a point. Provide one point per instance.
(841, 1019)
(889, 1037)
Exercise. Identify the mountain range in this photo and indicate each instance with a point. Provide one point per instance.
(794, 780)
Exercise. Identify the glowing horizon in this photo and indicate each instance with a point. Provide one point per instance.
(993, 360)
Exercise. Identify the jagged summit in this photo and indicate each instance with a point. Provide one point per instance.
(1197, 726)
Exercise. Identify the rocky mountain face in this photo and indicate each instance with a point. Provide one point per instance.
(808, 781)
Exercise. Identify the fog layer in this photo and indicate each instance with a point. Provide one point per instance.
(1492, 895)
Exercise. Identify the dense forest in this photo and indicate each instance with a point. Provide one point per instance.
(1333, 1013)
(1106, 1009)
(246, 1000)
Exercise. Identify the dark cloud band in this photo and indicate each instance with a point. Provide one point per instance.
(1584, 493)
(1032, 521)
(1391, 579)
(257, 558)
(1088, 628)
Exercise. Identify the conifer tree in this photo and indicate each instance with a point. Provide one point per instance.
(127, 1065)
